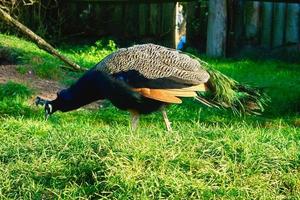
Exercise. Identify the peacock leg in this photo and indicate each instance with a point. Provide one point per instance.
(135, 116)
(167, 122)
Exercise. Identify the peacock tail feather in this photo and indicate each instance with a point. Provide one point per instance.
(225, 92)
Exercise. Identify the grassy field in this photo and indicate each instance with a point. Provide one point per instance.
(211, 154)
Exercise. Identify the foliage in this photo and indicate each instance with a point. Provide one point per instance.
(12, 5)
(19, 9)
(88, 56)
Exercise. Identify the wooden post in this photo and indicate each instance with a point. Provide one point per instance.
(154, 25)
(235, 26)
(143, 18)
(252, 15)
(168, 24)
(216, 30)
(190, 23)
(131, 17)
(116, 27)
(196, 25)
(292, 23)
(279, 19)
(239, 19)
(266, 24)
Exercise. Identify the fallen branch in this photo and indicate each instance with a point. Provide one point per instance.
(38, 40)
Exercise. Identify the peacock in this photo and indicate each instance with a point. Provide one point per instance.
(146, 78)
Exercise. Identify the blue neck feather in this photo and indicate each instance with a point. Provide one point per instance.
(90, 87)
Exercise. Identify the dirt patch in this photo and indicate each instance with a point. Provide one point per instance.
(44, 88)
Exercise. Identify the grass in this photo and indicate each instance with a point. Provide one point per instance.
(29, 57)
(211, 154)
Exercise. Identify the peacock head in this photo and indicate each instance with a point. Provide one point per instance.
(48, 107)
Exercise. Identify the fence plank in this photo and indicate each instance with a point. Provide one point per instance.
(143, 18)
(252, 16)
(130, 20)
(266, 24)
(116, 26)
(235, 25)
(168, 24)
(154, 19)
(292, 23)
(278, 21)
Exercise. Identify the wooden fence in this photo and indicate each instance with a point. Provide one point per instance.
(248, 23)
(143, 22)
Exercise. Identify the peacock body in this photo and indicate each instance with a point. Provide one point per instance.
(142, 79)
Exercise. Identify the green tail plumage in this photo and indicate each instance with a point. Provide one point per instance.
(228, 93)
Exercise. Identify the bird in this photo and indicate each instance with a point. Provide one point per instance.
(142, 79)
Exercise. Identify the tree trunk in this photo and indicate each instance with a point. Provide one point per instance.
(279, 18)
(266, 25)
(216, 30)
(292, 23)
(37, 39)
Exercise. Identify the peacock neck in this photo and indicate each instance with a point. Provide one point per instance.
(86, 90)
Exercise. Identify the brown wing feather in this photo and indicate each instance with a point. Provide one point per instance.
(171, 95)
(158, 94)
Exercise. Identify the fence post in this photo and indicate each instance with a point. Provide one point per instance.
(279, 18)
(266, 24)
(252, 15)
(216, 29)
(292, 23)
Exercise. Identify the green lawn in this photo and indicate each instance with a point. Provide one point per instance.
(211, 154)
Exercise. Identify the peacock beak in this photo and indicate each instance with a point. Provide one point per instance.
(48, 110)
(47, 115)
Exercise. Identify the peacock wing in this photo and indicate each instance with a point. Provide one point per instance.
(155, 62)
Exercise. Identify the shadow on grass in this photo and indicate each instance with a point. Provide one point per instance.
(189, 111)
